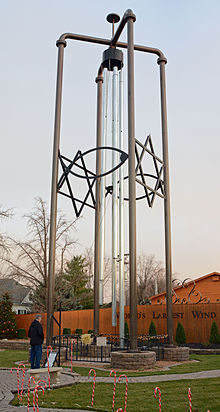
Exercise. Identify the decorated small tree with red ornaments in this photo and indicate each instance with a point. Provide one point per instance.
(7, 318)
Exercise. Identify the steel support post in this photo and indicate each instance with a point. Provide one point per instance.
(167, 219)
(121, 214)
(132, 184)
(114, 192)
(53, 204)
(99, 81)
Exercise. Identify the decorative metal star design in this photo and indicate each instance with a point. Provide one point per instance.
(88, 176)
(66, 165)
(158, 189)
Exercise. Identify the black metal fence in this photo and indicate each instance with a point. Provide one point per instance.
(79, 351)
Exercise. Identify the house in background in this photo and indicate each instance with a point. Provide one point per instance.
(19, 294)
(205, 289)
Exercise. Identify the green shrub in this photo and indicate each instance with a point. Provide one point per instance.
(79, 331)
(214, 334)
(21, 333)
(152, 329)
(180, 334)
(91, 331)
(8, 328)
(126, 330)
(66, 331)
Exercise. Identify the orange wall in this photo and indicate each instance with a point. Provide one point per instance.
(208, 287)
(196, 319)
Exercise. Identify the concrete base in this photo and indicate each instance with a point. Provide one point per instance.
(133, 360)
(176, 353)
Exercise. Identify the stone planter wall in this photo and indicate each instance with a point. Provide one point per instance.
(14, 344)
(133, 360)
(175, 353)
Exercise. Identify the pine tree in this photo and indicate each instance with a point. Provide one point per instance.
(180, 334)
(126, 331)
(152, 329)
(7, 318)
(72, 286)
(214, 334)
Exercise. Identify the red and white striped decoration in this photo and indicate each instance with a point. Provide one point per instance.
(190, 399)
(29, 384)
(126, 389)
(115, 378)
(93, 388)
(21, 366)
(71, 354)
(48, 366)
(35, 396)
(155, 395)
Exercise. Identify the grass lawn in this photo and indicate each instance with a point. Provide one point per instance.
(174, 394)
(206, 362)
(9, 357)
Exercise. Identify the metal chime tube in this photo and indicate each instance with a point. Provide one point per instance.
(114, 193)
(121, 216)
(102, 185)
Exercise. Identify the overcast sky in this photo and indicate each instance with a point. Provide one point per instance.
(188, 33)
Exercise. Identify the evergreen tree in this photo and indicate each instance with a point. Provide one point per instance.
(214, 334)
(126, 331)
(152, 329)
(180, 334)
(72, 287)
(7, 318)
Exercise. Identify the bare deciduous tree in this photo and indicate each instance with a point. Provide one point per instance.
(150, 277)
(28, 259)
(4, 214)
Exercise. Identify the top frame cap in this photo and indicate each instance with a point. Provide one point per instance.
(113, 18)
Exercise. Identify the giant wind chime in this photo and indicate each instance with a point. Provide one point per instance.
(111, 68)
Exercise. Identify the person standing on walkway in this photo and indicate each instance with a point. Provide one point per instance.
(36, 336)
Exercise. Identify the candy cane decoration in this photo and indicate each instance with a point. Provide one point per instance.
(22, 382)
(120, 410)
(41, 380)
(190, 399)
(126, 390)
(93, 388)
(35, 396)
(115, 378)
(48, 367)
(29, 384)
(71, 354)
(17, 380)
(155, 395)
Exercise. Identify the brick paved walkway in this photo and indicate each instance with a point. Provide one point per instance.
(8, 383)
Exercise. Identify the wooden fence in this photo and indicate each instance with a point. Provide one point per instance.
(196, 320)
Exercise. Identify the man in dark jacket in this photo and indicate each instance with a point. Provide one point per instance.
(37, 337)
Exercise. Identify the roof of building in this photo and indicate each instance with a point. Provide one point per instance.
(16, 291)
(189, 283)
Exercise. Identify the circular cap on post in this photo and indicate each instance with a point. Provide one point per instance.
(113, 18)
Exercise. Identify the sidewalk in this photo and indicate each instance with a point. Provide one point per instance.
(8, 383)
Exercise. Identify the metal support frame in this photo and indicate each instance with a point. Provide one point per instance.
(53, 203)
(128, 19)
(121, 215)
(132, 186)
